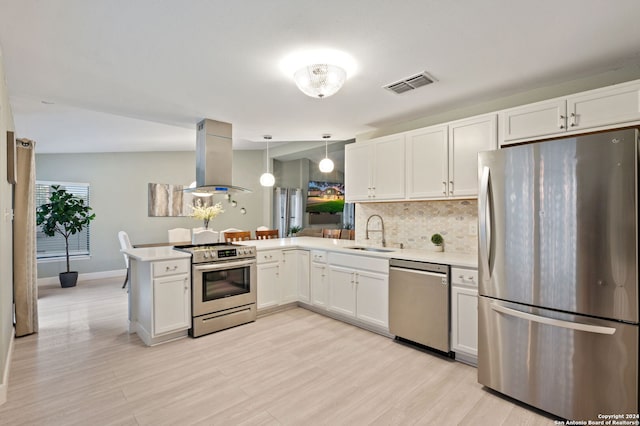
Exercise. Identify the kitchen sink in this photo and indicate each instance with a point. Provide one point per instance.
(379, 250)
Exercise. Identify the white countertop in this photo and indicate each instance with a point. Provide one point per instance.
(151, 254)
(315, 243)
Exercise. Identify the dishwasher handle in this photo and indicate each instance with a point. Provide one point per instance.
(443, 277)
(413, 265)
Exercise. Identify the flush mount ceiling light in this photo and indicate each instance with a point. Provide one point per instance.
(326, 165)
(320, 80)
(267, 179)
(319, 73)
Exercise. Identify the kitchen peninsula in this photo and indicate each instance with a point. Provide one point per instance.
(159, 293)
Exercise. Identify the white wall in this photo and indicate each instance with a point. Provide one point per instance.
(119, 187)
(496, 102)
(6, 239)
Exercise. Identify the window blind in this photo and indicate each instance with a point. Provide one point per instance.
(54, 247)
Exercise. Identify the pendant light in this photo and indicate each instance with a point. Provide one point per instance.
(326, 165)
(267, 179)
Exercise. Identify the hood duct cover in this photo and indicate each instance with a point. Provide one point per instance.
(214, 159)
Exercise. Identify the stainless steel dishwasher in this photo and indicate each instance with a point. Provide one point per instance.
(419, 302)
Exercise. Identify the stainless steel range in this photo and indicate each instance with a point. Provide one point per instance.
(223, 286)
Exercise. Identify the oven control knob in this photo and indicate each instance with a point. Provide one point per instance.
(205, 254)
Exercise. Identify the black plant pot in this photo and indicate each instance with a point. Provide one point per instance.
(68, 279)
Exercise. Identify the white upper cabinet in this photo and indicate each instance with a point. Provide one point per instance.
(388, 168)
(431, 163)
(610, 105)
(427, 162)
(597, 109)
(466, 139)
(357, 173)
(374, 169)
(539, 119)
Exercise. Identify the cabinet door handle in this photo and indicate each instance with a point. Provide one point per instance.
(562, 121)
(573, 120)
(171, 268)
(451, 187)
(444, 187)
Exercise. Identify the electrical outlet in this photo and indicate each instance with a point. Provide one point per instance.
(473, 229)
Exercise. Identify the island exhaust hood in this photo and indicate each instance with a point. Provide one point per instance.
(214, 159)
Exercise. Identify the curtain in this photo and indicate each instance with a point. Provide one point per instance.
(287, 209)
(25, 272)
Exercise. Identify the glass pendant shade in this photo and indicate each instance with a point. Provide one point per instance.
(326, 165)
(267, 179)
(320, 80)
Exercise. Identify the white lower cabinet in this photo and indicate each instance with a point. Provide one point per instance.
(318, 279)
(342, 290)
(464, 314)
(372, 298)
(283, 277)
(295, 276)
(160, 299)
(359, 288)
(289, 277)
(268, 269)
(171, 304)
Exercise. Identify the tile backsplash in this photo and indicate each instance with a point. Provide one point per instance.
(413, 223)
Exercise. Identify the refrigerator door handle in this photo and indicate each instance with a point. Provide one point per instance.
(484, 232)
(553, 322)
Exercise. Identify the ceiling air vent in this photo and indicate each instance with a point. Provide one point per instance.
(410, 83)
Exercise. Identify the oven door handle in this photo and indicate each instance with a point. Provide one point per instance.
(216, 266)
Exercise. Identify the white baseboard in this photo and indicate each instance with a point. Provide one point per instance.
(4, 384)
(86, 277)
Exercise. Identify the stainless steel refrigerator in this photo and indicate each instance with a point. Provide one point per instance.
(558, 264)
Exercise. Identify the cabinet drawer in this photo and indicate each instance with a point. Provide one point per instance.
(268, 256)
(170, 267)
(318, 256)
(467, 277)
(360, 262)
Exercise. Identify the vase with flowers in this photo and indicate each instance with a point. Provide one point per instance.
(205, 212)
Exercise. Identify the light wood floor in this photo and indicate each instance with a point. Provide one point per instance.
(292, 368)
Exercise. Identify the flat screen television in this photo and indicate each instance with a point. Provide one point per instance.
(325, 197)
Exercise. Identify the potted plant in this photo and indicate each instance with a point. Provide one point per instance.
(437, 241)
(294, 230)
(64, 214)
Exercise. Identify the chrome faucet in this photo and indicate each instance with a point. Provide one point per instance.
(384, 243)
